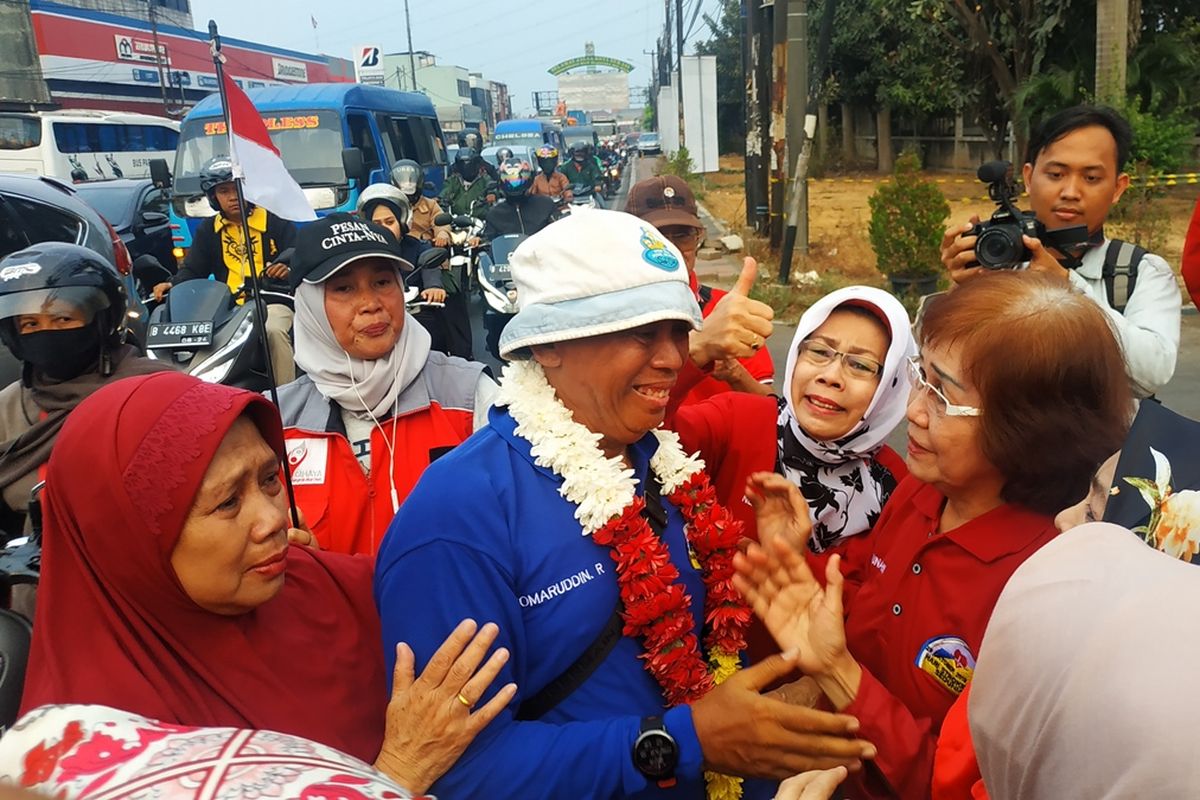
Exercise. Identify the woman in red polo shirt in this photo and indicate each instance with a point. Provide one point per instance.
(1019, 394)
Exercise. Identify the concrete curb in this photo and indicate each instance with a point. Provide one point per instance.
(711, 221)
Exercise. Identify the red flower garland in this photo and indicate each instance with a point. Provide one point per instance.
(657, 609)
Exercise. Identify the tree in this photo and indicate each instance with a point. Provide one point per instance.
(725, 42)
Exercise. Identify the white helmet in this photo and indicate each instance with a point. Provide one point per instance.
(378, 193)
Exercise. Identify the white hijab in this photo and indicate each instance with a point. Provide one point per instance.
(1085, 680)
(844, 485)
(356, 385)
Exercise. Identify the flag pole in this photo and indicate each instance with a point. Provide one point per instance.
(260, 305)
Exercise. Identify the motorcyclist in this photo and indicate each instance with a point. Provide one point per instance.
(218, 249)
(473, 140)
(583, 169)
(468, 190)
(63, 315)
(450, 326)
(520, 211)
(550, 182)
(409, 178)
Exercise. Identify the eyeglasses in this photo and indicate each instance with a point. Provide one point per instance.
(857, 366)
(681, 237)
(940, 405)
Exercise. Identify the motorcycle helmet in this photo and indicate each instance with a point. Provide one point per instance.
(408, 177)
(470, 139)
(503, 154)
(578, 150)
(467, 164)
(547, 157)
(55, 278)
(216, 171)
(515, 177)
(389, 195)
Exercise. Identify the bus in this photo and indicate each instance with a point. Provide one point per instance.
(311, 125)
(530, 132)
(78, 145)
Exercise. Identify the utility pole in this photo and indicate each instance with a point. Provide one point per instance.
(778, 129)
(797, 108)
(753, 114)
(679, 65)
(162, 80)
(412, 59)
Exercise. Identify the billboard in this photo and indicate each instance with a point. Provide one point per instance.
(700, 111)
(368, 64)
(594, 91)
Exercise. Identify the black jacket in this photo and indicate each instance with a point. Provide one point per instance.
(204, 258)
(526, 215)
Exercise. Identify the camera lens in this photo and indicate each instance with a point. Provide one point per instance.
(999, 248)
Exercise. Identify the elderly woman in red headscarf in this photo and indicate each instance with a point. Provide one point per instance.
(170, 590)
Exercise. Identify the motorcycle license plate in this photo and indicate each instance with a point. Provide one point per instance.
(171, 335)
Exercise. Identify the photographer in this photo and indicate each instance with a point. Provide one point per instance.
(1073, 175)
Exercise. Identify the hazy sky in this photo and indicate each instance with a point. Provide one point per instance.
(511, 41)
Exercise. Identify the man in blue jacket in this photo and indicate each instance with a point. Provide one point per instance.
(534, 523)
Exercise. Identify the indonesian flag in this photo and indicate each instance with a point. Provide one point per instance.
(265, 180)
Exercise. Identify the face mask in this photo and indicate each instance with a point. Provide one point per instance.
(61, 355)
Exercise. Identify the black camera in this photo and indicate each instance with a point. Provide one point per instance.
(999, 244)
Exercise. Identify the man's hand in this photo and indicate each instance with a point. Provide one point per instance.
(743, 732)
(474, 241)
(434, 295)
(958, 252)
(430, 719)
(737, 326)
(160, 290)
(440, 240)
(1041, 261)
(277, 271)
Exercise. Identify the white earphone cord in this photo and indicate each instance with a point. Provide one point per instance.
(391, 446)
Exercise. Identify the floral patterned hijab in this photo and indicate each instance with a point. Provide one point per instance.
(1156, 487)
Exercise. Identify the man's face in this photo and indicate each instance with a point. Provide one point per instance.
(227, 199)
(1076, 179)
(618, 384)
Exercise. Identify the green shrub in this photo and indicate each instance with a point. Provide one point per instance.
(908, 218)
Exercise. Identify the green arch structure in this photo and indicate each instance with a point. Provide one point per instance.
(590, 61)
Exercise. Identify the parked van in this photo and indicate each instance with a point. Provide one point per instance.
(334, 138)
(79, 145)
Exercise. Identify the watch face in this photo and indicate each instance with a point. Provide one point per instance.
(656, 754)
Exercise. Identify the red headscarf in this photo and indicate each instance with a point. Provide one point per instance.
(114, 626)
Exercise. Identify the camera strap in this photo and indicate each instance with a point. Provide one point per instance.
(1120, 272)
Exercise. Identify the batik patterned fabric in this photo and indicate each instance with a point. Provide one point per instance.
(101, 753)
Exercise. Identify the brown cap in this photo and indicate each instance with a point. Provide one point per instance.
(664, 200)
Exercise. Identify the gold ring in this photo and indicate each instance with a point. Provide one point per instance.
(464, 700)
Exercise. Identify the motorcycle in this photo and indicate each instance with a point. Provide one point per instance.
(584, 196)
(207, 331)
(413, 303)
(499, 289)
(20, 571)
(612, 178)
(463, 257)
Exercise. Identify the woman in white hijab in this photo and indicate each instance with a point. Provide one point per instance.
(846, 390)
(375, 406)
(1082, 685)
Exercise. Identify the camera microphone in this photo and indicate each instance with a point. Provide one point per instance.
(994, 171)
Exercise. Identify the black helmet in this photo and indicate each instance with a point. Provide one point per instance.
(503, 154)
(54, 276)
(578, 148)
(470, 139)
(467, 163)
(408, 177)
(515, 177)
(216, 170)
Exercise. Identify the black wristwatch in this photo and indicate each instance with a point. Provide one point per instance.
(655, 753)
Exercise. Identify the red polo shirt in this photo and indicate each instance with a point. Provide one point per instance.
(916, 622)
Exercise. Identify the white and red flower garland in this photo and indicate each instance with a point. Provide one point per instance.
(656, 607)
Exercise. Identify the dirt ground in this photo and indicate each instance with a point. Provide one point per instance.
(838, 216)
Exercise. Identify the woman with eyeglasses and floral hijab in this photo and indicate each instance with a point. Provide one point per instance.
(1019, 394)
(847, 387)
